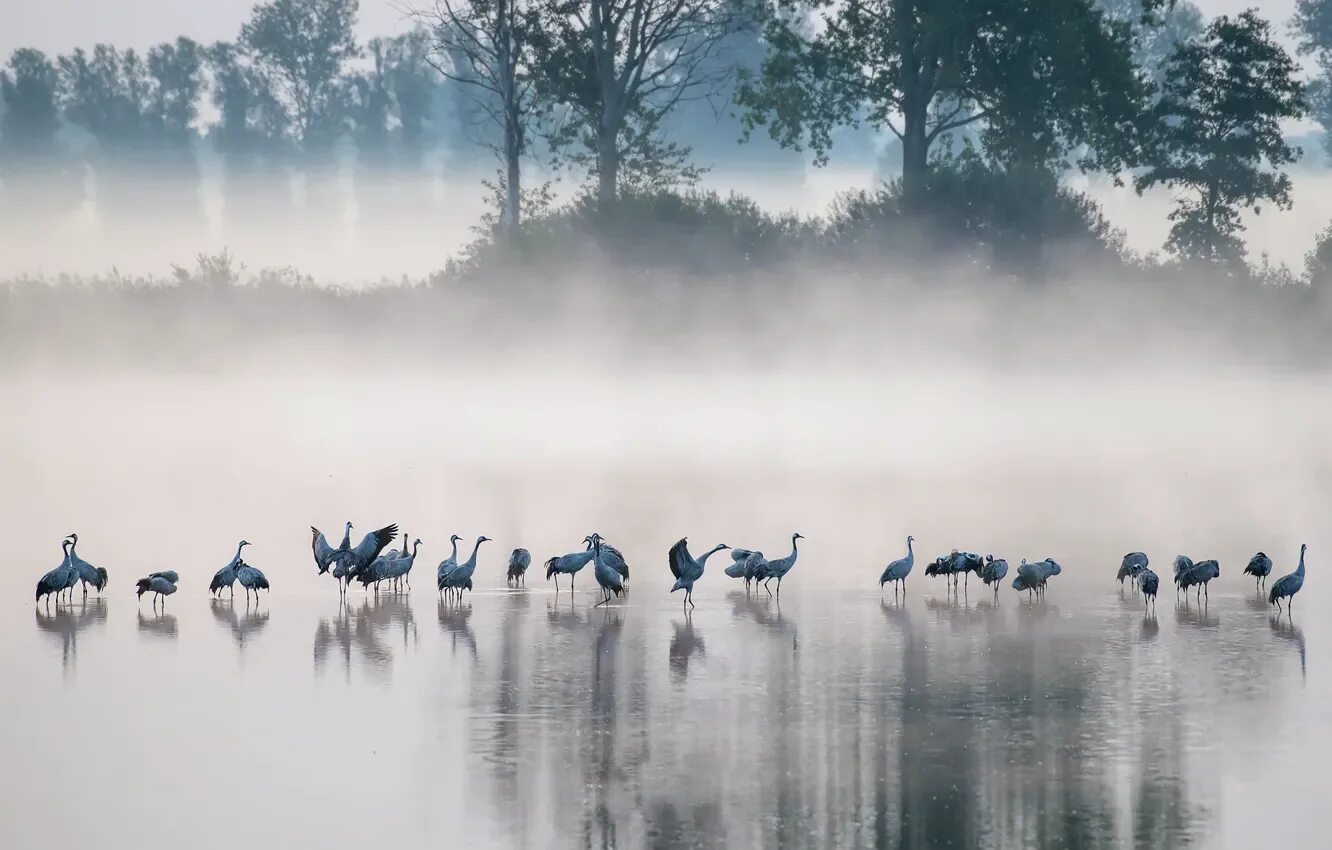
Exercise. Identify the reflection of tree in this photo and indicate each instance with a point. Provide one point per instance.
(67, 621)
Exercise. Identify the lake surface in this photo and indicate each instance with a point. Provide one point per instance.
(836, 718)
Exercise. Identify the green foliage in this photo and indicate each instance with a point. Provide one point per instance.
(1043, 76)
(29, 86)
(1220, 138)
(303, 46)
(1318, 262)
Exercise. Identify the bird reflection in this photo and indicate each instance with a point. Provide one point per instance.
(1286, 630)
(1150, 627)
(241, 626)
(1197, 616)
(160, 624)
(685, 643)
(67, 621)
(762, 610)
(362, 629)
(453, 621)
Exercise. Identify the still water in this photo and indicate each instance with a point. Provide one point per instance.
(837, 718)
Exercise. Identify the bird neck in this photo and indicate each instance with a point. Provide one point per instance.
(793, 547)
(453, 556)
(708, 554)
(1300, 568)
(415, 546)
(909, 552)
(472, 560)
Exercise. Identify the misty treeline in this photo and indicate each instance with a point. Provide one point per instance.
(986, 108)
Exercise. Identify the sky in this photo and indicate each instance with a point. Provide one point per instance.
(60, 25)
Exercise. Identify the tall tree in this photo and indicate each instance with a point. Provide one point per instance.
(1312, 27)
(33, 165)
(1040, 77)
(303, 46)
(251, 135)
(1219, 117)
(1156, 29)
(619, 66)
(485, 46)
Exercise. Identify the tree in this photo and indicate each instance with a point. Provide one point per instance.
(250, 134)
(303, 47)
(1219, 118)
(1155, 30)
(33, 164)
(485, 45)
(1039, 77)
(619, 66)
(1312, 27)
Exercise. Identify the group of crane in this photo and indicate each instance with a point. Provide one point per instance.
(369, 563)
(1190, 574)
(1031, 577)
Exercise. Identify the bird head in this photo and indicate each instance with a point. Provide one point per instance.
(349, 526)
(482, 539)
(910, 539)
(418, 542)
(794, 537)
(455, 538)
(243, 544)
(72, 537)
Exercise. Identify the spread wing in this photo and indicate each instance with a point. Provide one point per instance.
(322, 551)
(679, 558)
(374, 542)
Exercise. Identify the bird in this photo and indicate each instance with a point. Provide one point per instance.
(400, 568)
(606, 569)
(519, 561)
(613, 556)
(226, 577)
(567, 565)
(460, 579)
(967, 563)
(170, 575)
(87, 573)
(994, 571)
(1129, 568)
(1148, 582)
(1287, 586)
(1260, 567)
(1182, 566)
(366, 551)
(323, 553)
(1030, 577)
(448, 564)
(158, 584)
(1202, 573)
(898, 570)
(62, 577)
(779, 568)
(252, 579)
(741, 567)
(687, 569)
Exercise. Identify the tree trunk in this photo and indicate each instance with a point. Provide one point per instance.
(915, 148)
(513, 194)
(608, 166)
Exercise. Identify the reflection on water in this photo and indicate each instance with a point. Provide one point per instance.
(241, 625)
(534, 721)
(64, 622)
(158, 624)
(364, 636)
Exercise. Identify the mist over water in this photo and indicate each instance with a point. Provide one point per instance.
(1068, 422)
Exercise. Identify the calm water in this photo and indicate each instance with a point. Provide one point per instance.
(836, 719)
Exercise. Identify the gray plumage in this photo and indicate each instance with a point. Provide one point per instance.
(252, 579)
(898, 570)
(448, 564)
(1260, 567)
(324, 553)
(994, 571)
(779, 568)
(62, 577)
(400, 568)
(87, 573)
(170, 575)
(365, 552)
(226, 577)
(460, 579)
(1129, 568)
(568, 565)
(745, 563)
(612, 556)
(687, 569)
(606, 569)
(1287, 586)
(157, 584)
(519, 561)
(1148, 583)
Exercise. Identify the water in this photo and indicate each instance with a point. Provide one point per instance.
(520, 719)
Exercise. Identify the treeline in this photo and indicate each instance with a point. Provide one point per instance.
(989, 105)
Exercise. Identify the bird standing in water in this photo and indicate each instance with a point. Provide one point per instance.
(1287, 586)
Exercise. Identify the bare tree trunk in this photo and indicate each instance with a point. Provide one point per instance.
(513, 193)
(608, 166)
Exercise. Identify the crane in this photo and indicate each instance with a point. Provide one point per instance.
(687, 569)
(898, 570)
(1287, 586)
